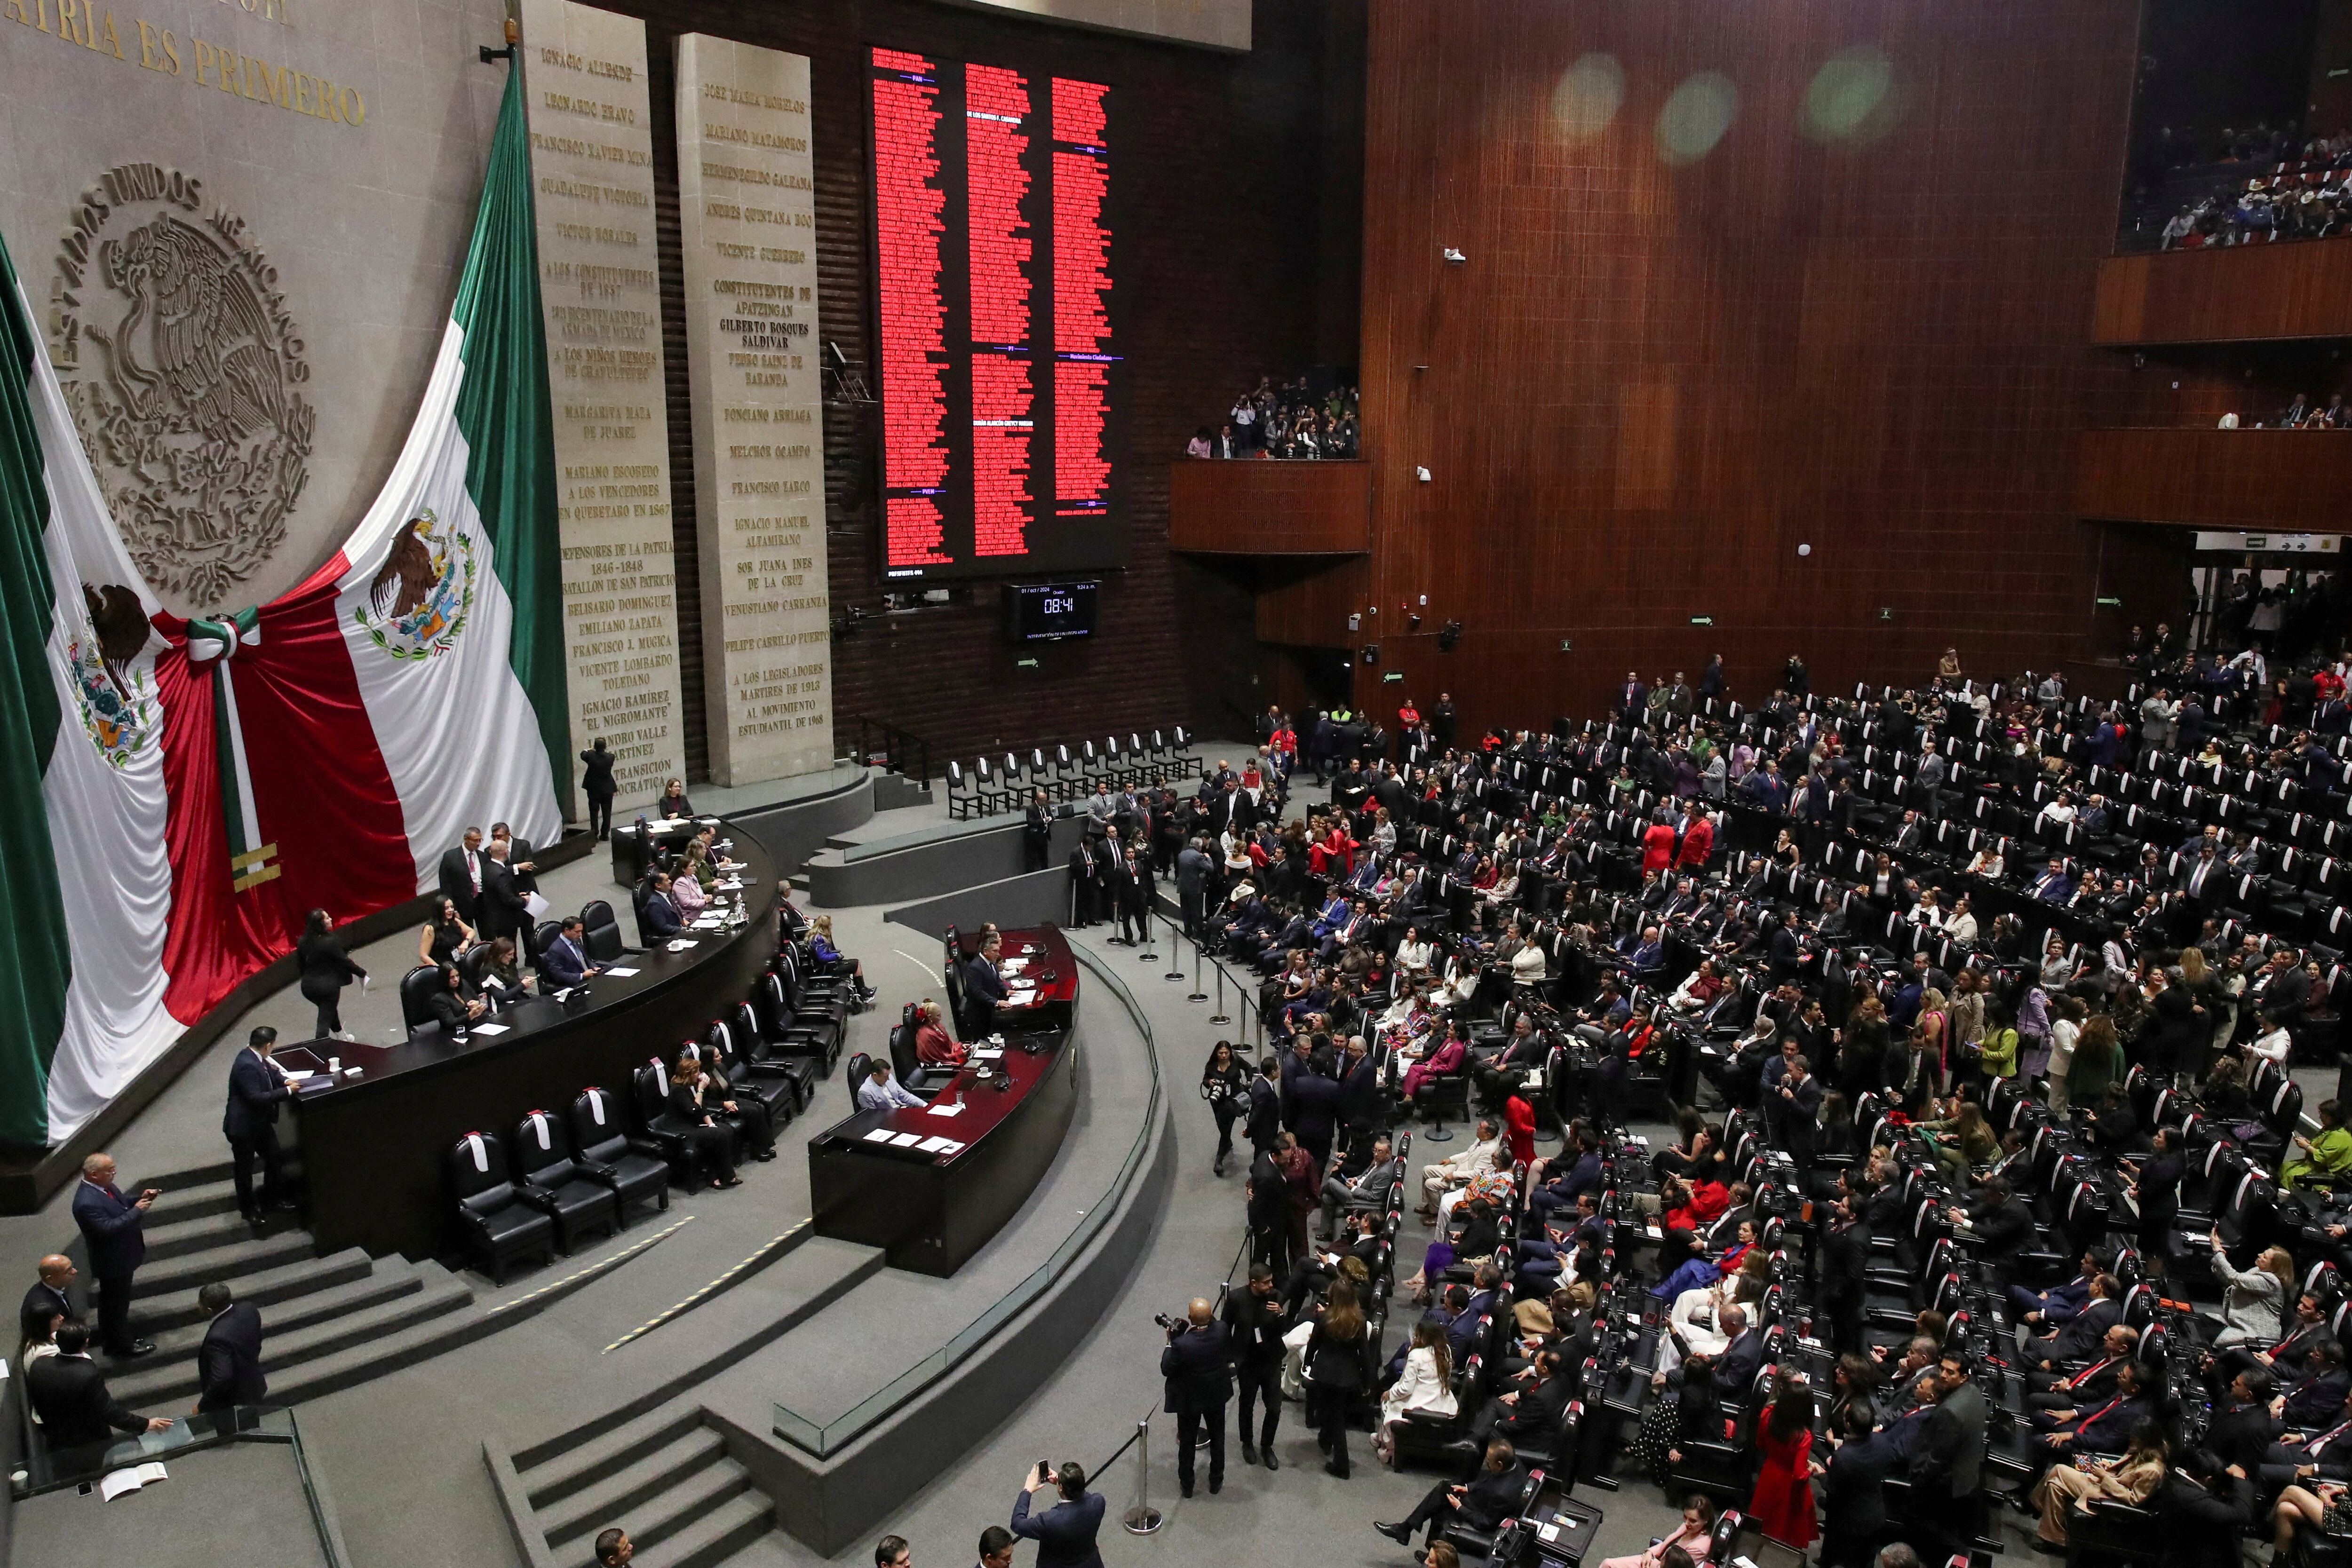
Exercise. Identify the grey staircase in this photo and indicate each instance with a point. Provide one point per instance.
(664, 1476)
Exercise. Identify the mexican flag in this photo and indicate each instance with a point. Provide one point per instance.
(208, 782)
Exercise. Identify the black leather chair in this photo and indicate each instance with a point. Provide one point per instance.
(860, 1064)
(499, 1222)
(664, 1126)
(547, 931)
(772, 1089)
(546, 1175)
(602, 932)
(632, 1168)
(760, 1056)
(416, 989)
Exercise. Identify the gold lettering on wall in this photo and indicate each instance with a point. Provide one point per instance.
(745, 181)
(591, 162)
(250, 77)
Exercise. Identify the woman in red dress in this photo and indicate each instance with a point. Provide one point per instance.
(1783, 1504)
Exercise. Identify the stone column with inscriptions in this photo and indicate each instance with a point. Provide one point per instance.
(747, 200)
(592, 179)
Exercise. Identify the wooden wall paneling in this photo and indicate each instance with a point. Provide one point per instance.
(1650, 382)
(2298, 481)
(1306, 603)
(2239, 293)
(1320, 508)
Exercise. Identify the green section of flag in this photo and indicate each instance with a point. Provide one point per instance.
(36, 962)
(509, 422)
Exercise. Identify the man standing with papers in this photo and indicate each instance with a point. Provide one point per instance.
(880, 1092)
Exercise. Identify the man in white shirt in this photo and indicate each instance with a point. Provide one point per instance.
(1438, 1180)
(880, 1092)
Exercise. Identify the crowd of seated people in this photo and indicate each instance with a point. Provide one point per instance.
(2243, 186)
(1285, 419)
(2006, 1193)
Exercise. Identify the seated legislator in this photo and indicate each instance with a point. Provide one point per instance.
(565, 963)
(984, 988)
(69, 1395)
(444, 936)
(934, 1047)
(880, 1092)
(452, 1008)
(657, 912)
(692, 1101)
(688, 889)
(673, 803)
(503, 981)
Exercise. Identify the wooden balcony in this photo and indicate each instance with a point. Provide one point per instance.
(2285, 480)
(1269, 507)
(2248, 293)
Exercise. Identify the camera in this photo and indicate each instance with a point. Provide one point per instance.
(1174, 1325)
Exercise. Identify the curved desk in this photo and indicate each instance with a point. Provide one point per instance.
(872, 1179)
(373, 1146)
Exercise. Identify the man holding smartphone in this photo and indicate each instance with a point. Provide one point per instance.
(112, 1226)
(1065, 1534)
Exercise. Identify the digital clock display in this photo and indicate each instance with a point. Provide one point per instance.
(1049, 611)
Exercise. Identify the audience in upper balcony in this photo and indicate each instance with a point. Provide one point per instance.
(1285, 419)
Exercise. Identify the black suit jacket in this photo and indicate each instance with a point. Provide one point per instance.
(1948, 1455)
(111, 1222)
(503, 910)
(2078, 1337)
(255, 1089)
(1492, 1497)
(1199, 1367)
(68, 1393)
(228, 1363)
(1065, 1534)
(41, 1304)
(457, 886)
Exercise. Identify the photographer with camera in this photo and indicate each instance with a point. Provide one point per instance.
(1065, 1534)
(1199, 1366)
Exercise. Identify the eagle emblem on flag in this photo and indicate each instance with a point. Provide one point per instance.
(417, 603)
(117, 699)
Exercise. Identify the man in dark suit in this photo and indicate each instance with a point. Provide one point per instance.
(1036, 832)
(1944, 1469)
(563, 963)
(1118, 887)
(69, 1395)
(51, 1297)
(658, 916)
(112, 1227)
(1198, 1364)
(2105, 1428)
(461, 877)
(504, 911)
(1265, 1123)
(1481, 1503)
(257, 1087)
(1315, 1114)
(1844, 1259)
(983, 990)
(518, 862)
(2002, 1222)
(228, 1362)
(1065, 1534)
(1255, 1320)
(2076, 1339)
(1743, 1357)
(1085, 887)
(1530, 1415)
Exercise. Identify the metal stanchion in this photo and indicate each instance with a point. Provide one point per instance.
(1196, 994)
(1148, 955)
(1142, 1518)
(1176, 956)
(1219, 1016)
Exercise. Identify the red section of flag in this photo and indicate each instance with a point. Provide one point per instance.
(321, 795)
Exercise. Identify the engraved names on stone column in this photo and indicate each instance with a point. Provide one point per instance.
(746, 198)
(592, 179)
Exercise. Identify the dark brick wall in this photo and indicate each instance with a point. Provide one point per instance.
(1239, 186)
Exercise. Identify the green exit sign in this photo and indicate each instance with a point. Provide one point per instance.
(2110, 604)
(1702, 620)
(1025, 663)
(1392, 675)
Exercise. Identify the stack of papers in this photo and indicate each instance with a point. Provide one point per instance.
(681, 943)
(954, 1110)
(489, 1028)
(939, 1146)
(620, 974)
(131, 1479)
